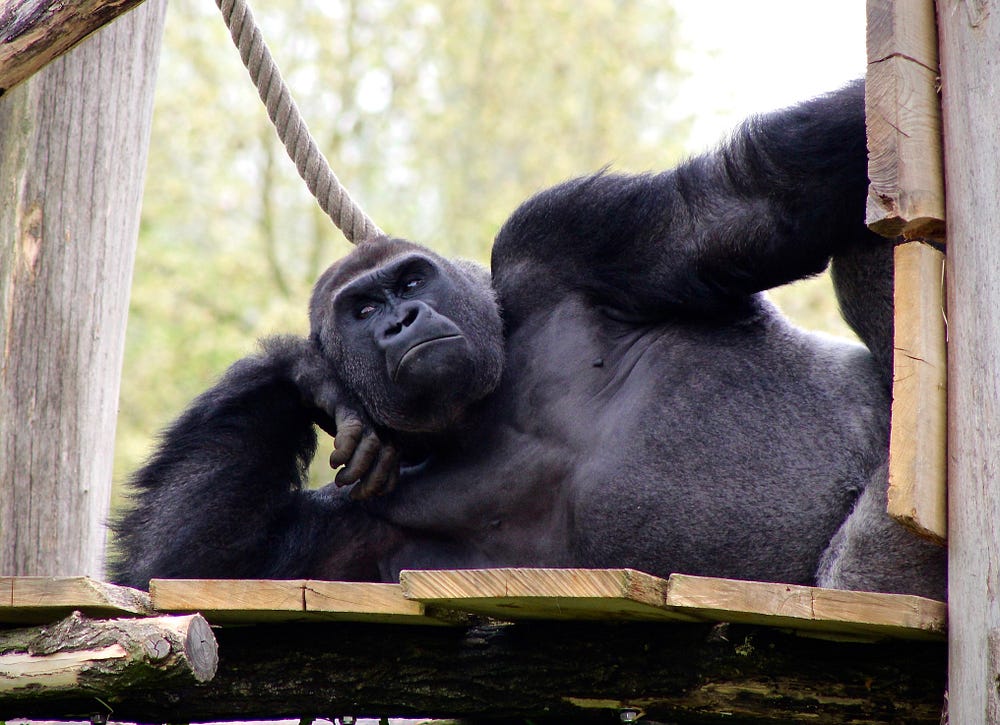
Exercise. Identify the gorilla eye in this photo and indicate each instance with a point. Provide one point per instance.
(365, 311)
(412, 283)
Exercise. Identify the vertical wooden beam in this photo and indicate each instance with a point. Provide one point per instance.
(917, 446)
(970, 80)
(906, 198)
(72, 160)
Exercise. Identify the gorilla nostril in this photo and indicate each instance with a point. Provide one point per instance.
(410, 317)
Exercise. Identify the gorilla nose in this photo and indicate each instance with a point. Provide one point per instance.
(406, 316)
(403, 318)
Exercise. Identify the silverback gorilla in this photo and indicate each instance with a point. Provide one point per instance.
(620, 394)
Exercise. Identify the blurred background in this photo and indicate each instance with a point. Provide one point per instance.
(439, 116)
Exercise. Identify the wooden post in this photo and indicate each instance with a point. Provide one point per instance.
(72, 159)
(33, 33)
(970, 81)
(906, 198)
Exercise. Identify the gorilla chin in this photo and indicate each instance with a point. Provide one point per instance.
(433, 362)
(436, 381)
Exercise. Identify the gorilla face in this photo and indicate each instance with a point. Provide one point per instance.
(418, 338)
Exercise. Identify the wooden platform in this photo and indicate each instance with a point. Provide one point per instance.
(447, 597)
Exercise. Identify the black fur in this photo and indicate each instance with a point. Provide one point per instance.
(620, 396)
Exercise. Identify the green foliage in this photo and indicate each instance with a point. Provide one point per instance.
(439, 117)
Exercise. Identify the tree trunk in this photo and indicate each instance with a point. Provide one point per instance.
(970, 78)
(72, 159)
(553, 672)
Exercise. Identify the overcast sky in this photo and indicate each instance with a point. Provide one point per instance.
(756, 56)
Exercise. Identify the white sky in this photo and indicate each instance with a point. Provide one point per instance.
(756, 55)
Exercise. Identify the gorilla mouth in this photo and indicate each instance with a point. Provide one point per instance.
(414, 352)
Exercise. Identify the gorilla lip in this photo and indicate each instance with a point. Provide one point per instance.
(418, 346)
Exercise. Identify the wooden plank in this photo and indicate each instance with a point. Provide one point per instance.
(245, 601)
(356, 602)
(231, 600)
(559, 594)
(970, 55)
(39, 600)
(918, 442)
(620, 594)
(906, 196)
(864, 615)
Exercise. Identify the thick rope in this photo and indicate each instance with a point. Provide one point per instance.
(292, 130)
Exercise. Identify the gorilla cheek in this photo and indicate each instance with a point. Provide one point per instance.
(435, 367)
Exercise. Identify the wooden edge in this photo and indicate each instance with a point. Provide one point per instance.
(812, 608)
(560, 594)
(918, 439)
(626, 594)
(248, 601)
(358, 601)
(32, 599)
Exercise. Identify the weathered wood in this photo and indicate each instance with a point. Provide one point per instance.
(246, 600)
(918, 442)
(970, 65)
(33, 33)
(40, 600)
(80, 657)
(906, 195)
(554, 672)
(71, 170)
(622, 594)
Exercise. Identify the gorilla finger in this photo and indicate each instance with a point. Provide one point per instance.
(360, 462)
(382, 477)
(346, 439)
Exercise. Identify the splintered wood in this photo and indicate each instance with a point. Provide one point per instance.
(906, 196)
(40, 600)
(623, 594)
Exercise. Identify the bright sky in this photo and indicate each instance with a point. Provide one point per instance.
(757, 55)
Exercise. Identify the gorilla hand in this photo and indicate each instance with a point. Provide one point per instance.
(368, 457)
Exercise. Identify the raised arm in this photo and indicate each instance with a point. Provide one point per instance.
(222, 495)
(770, 206)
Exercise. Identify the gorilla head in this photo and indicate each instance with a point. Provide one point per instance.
(417, 337)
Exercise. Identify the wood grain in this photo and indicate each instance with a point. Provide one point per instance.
(227, 601)
(39, 600)
(918, 441)
(622, 594)
(33, 33)
(970, 76)
(906, 196)
(72, 162)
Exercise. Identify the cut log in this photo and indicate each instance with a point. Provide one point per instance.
(548, 672)
(80, 655)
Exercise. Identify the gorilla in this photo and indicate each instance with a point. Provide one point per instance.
(620, 393)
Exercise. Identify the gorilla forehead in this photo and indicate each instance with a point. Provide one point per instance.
(367, 256)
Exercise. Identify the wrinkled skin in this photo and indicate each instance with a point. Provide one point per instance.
(621, 395)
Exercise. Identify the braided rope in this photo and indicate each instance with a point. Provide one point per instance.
(292, 130)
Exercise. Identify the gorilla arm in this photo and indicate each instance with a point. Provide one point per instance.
(770, 206)
(222, 495)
